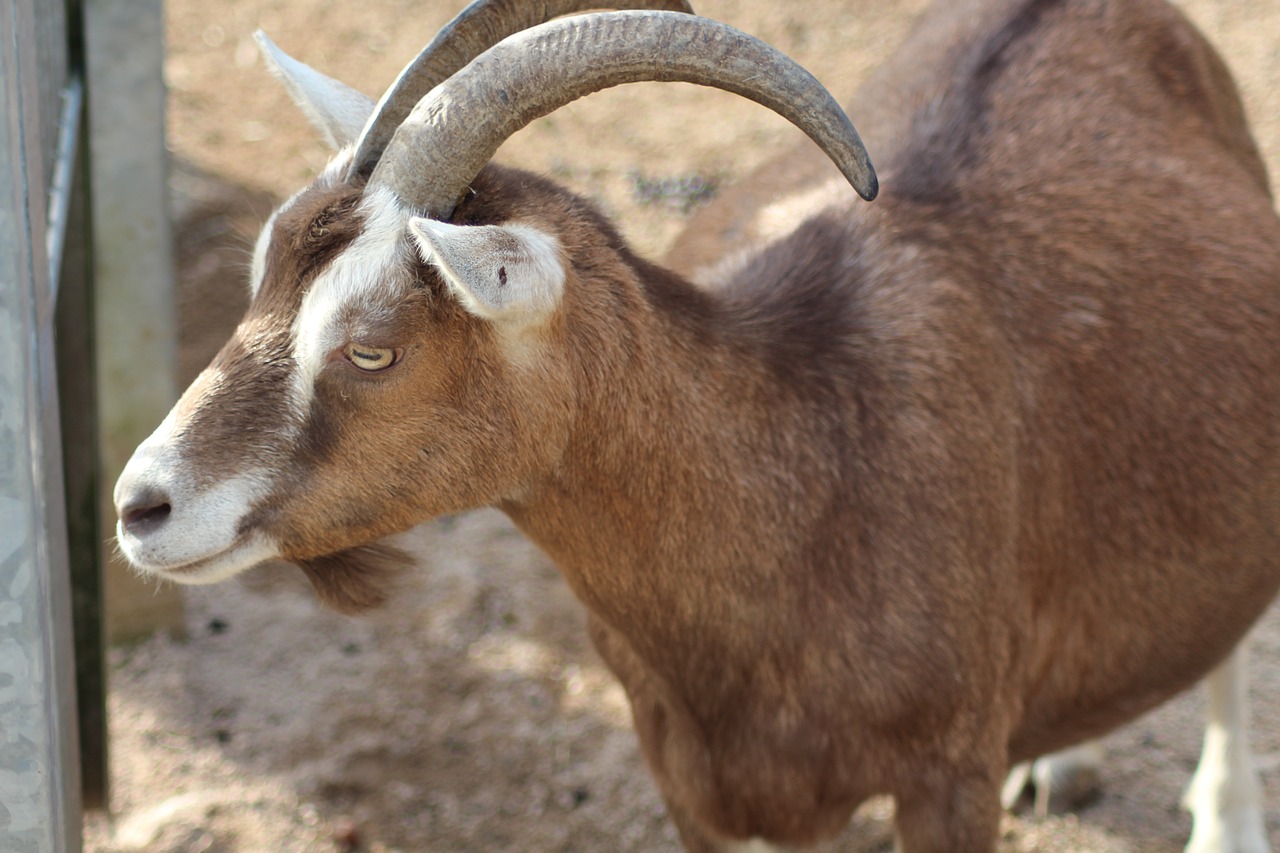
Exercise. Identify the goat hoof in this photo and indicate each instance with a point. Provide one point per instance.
(1017, 790)
(1225, 827)
(1054, 784)
(1238, 833)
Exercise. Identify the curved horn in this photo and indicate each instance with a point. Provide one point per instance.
(456, 128)
(477, 28)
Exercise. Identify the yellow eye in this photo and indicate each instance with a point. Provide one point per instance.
(370, 359)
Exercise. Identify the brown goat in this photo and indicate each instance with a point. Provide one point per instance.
(902, 494)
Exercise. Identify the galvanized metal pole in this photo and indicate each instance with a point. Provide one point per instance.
(39, 779)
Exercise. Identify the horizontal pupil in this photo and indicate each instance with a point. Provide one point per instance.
(369, 359)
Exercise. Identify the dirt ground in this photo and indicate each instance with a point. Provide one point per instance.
(471, 714)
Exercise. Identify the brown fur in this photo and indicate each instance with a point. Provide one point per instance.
(928, 486)
(358, 579)
(250, 375)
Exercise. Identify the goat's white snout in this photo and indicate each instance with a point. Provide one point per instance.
(171, 526)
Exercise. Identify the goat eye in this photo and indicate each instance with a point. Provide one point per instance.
(370, 359)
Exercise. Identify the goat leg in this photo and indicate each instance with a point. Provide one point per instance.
(694, 838)
(948, 812)
(1225, 796)
(1061, 782)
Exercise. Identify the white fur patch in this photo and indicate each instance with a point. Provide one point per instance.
(200, 537)
(334, 173)
(258, 269)
(369, 277)
(141, 467)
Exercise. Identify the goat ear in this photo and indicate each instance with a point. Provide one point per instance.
(506, 273)
(333, 108)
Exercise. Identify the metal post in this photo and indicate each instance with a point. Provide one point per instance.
(39, 775)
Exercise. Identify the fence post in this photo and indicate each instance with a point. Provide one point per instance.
(134, 271)
(71, 272)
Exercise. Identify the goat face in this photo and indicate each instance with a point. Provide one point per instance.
(365, 390)
(394, 366)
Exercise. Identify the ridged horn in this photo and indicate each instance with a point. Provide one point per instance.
(456, 128)
(477, 28)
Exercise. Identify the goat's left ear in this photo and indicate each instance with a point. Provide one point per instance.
(333, 108)
(507, 273)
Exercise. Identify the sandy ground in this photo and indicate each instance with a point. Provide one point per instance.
(471, 714)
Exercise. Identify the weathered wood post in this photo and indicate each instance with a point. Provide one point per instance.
(134, 271)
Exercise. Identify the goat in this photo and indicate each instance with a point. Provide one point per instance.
(902, 494)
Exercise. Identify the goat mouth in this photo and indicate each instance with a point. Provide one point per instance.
(244, 552)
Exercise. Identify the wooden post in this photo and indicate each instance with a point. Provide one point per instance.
(134, 262)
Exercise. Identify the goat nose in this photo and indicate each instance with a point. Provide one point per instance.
(143, 512)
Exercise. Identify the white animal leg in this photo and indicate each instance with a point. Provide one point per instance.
(755, 845)
(1061, 782)
(1225, 796)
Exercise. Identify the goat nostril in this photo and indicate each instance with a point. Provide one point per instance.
(144, 512)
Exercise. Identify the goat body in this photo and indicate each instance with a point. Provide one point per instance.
(991, 462)
(904, 492)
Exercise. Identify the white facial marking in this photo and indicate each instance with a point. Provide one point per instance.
(198, 540)
(138, 471)
(369, 276)
(259, 267)
(334, 173)
(199, 537)
(253, 550)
